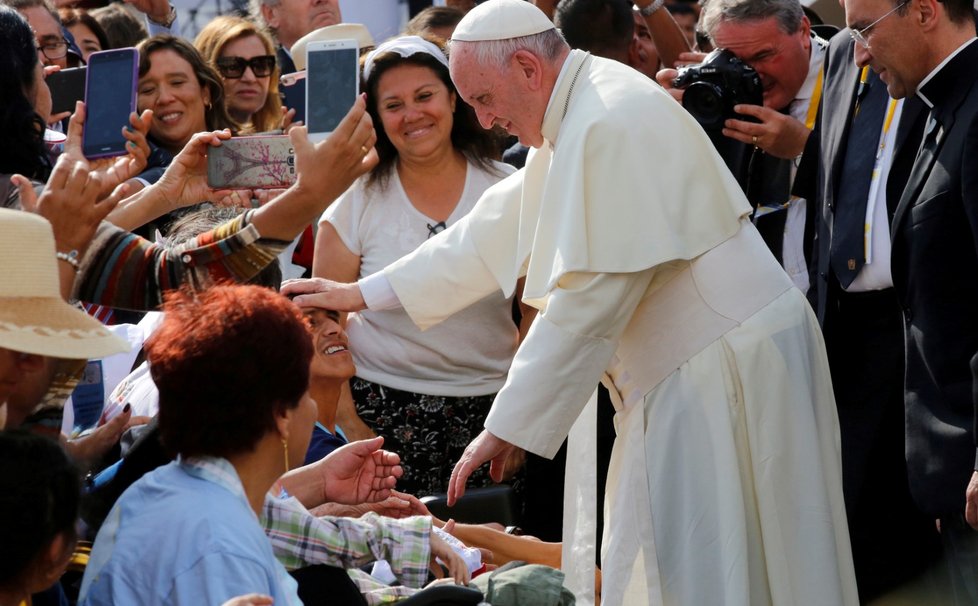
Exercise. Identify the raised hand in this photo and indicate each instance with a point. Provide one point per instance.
(116, 170)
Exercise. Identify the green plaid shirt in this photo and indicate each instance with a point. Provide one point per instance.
(301, 539)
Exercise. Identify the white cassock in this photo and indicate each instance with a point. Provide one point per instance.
(725, 483)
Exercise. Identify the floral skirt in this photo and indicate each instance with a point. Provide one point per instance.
(428, 432)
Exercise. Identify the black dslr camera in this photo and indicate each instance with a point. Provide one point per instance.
(713, 87)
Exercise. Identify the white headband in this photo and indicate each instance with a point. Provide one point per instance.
(404, 46)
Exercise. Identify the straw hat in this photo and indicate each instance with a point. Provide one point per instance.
(33, 316)
(340, 31)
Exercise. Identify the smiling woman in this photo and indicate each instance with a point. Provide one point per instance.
(426, 392)
(185, 93)
(245, 58)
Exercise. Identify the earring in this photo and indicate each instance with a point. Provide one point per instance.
(285, 448)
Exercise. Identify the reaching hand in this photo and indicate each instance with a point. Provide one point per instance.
(486, 447)
(71, 202)
(158, 10)
(348, 152)
(359, 472)
(320, 292)
(116, 170)
(457, 569)
(185, 181)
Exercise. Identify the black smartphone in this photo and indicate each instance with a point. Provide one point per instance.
(110, 97)
(67, 88)
(292, 87)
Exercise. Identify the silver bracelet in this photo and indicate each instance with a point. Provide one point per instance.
(647, 11)
(70, 257)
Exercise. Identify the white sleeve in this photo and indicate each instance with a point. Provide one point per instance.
(560, 363)
(378, 293)
(442, 276)
(346, 215)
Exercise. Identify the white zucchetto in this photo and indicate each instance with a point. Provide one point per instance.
(501, 20)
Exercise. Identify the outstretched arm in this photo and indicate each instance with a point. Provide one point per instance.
(356, 473)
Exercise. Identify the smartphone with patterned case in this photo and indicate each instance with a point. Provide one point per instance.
(256, 162)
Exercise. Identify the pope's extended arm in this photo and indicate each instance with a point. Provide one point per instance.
(561, 361)
(555, 370)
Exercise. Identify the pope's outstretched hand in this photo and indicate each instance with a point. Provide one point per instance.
(319, 292)
(486, 447)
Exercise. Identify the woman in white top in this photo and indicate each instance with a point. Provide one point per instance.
(426, 392)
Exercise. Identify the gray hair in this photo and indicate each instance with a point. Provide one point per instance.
(254, 9)
(547, 45)
(788, 13)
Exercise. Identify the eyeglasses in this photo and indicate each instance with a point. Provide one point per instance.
(234, 67)
(54, 49)
(859, 35)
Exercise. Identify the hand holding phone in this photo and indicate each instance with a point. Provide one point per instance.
(332, 84)
(110, 98)
(257, 162)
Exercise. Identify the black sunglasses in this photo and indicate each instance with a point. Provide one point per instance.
(234, 67)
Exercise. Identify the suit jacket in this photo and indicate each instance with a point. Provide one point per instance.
(285, 63)
(819, 175)
(935, 273)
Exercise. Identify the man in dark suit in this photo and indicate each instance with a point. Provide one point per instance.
(927, 48)
(846, 163)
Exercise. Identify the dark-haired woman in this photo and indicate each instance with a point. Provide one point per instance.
(232, 367)
(25, 105)
(39, 494)
(184, 92)
(425, 392)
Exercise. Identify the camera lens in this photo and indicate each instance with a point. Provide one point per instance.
(705, 102)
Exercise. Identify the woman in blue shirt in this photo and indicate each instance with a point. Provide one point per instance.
(232, 367)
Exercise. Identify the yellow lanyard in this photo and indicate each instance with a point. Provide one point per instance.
(891, 108)
(813, 104)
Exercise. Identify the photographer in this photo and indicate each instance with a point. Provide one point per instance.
(760, 145)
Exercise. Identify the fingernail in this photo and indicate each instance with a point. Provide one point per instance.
(127, 407)
(131, 144)
(129, 129)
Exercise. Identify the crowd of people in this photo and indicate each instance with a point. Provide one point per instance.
(750, 337)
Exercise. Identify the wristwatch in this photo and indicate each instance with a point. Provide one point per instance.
(168, 20)
(647, 11)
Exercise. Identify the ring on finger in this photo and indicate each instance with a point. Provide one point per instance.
(364, 149)
(753, 140)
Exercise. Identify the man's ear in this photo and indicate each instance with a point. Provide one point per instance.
(270, 15)
(530, 68)
(928, 13)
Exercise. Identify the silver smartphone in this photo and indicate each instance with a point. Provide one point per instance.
(332, 84)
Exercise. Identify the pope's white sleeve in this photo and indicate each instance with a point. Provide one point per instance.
(561, 361)
(444, 275)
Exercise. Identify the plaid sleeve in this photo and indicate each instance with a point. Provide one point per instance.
(300, 539)
(377, 593)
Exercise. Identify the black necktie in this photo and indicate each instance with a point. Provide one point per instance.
(847, 253)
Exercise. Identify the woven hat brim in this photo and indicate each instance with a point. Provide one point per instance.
(51, 327)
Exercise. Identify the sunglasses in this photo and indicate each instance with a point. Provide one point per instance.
(234, 67)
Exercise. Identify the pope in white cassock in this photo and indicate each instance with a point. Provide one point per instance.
(725, 483)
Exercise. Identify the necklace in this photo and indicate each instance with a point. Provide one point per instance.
(570, 90)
